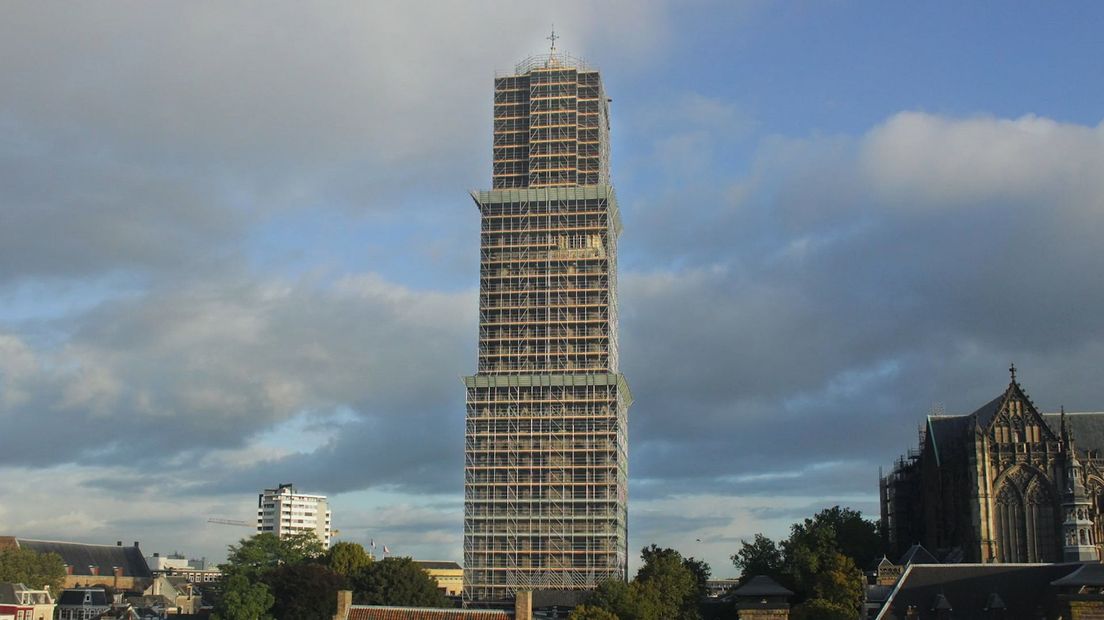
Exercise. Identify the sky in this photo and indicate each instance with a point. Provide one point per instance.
(237, 249)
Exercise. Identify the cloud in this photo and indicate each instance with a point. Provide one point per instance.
(191, 370)
(153, 140)
(788, 317)
(850, 285)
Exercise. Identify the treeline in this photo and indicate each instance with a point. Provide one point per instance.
(267, 577)
(820, 562)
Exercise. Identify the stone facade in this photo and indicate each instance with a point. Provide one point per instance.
(1005, 483)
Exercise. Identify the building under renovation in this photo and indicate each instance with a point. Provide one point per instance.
(546, 470)
(1005, 484)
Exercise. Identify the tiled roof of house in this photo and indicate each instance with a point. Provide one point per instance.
(434, 565)
(81, 557)
(80, 597)
(372, 612)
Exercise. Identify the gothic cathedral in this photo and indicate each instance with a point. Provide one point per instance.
(1006, 483)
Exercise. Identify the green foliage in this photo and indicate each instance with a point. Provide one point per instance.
(399, 582)
(590, 612)
(253, 557)
(32, 569)
(243, 599)
(821, 609)
(301, 546)
(264, 560)
(819, 561)
(667, 587)
(347, 558)
(856, 537)
(816, 562)
(304, 591)
(839, 581)
(627, 601)
(674, 584)
(759, 557)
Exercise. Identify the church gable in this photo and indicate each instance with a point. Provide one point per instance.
(1012, 418)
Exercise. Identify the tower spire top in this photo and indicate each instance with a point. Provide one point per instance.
(1012, 370)
(552, 37)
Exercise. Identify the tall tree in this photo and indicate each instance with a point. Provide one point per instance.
(759, 557)
(674, 583)
(304, 591)
(31, 568)
(856, 537)
(347, 558)
(626, 601)
(254, 556)
(399, 582)
(243, 599)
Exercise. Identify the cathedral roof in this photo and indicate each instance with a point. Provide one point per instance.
(985, 413)
(1087, 428)
(947, 434)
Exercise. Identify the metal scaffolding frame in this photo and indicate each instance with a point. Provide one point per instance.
(546, 461)
(551, 125)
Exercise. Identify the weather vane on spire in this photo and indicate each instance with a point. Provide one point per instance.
(553, 38)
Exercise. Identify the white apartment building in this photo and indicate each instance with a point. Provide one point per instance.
(284, 512)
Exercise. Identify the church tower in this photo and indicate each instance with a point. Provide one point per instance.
(1077, 529)
(546, 442)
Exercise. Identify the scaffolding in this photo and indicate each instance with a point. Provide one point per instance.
(551, 125)
(546, 455)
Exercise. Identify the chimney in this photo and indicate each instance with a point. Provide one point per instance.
(344, 603)
(523, 605)
(118, 543)
(136, 544)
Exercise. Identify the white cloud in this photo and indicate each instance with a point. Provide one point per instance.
(927, 161)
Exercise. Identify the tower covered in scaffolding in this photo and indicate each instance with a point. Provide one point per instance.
(546, 467)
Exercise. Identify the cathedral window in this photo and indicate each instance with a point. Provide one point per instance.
(1011, 538)
(1041, 531)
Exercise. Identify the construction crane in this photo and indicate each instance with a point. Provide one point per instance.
(231, 522)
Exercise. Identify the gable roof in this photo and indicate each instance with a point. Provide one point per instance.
(75, 597)
(373, 612)
(1090, 574)
(761, 585)
(968, 588)
(917, 554)
(984, 414)
(82, 556)
(7, 594)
